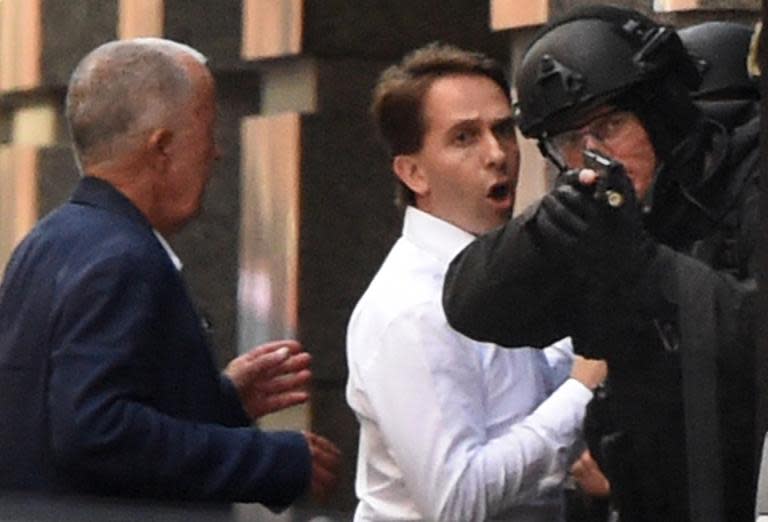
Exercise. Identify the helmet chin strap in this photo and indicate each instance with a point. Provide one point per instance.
(551, 154)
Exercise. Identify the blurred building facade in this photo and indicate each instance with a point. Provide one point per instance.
(299, 213)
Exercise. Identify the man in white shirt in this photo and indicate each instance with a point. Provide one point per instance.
(453, 429)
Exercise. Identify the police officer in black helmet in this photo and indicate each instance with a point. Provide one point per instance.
(646, 259)
(727, 92)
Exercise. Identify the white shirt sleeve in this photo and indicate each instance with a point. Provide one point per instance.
(559, 357)
(425, 382)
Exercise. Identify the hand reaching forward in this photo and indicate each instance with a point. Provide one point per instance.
(589, 372)
(271, 377)
(326, 459)
(589, 477)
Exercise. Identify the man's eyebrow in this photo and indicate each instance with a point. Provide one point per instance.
(504, 123)
(463, 123)
(474, 121)
(505, 120)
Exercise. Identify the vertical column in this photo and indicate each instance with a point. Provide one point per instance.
(40, 42)
(20, 45)
(675, 5)
(271, 28)
(312, 123)
(268, 271)
(348, 223)
(18, 202)
(521, 20)
(508, 14)
(140, 18)
(270, 172)
(662, 6)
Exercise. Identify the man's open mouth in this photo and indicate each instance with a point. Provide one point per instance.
(499, 191)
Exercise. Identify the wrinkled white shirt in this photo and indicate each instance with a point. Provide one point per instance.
(452, 429)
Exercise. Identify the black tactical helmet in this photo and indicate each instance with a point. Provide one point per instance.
(727, 92)
(720, 50)
(591, 56)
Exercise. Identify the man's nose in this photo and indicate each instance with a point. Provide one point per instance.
(588, 141)
(496, 153)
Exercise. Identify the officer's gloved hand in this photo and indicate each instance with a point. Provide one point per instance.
(589, 236)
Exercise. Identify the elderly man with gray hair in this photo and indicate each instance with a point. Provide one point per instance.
(107, 384)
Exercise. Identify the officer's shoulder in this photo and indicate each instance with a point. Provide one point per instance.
(746, 136)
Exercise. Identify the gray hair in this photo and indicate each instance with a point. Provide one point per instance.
(122, 89)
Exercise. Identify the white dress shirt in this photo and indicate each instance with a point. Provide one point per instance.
(452, 429)
(168, 250)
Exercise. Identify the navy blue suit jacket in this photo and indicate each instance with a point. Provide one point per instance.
(107, 384)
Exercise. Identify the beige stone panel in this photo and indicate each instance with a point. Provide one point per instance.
(269, 240)
(662, 6)
(139, 18)
(510, 14)
(674, 5)
(533, 182)
(35, 125)
(18, 196)
(20, 44)
(271, 28)
(289, 86)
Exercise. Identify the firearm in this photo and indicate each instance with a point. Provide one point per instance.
(612, 181)
(610, 176)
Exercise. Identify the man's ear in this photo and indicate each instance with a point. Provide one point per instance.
(409, 171)
(158, 145)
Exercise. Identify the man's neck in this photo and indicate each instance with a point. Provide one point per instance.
(136, 184)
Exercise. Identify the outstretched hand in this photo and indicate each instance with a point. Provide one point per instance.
(271, 377)
(326, 460)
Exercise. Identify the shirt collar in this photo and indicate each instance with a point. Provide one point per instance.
(168, 250)
(435, 235)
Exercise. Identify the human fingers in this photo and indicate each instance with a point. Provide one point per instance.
(248, 370)
(557, 221)
(325, 477)
(295, 363)
(588, 475)
(324, 448)
(590, 372)
(285, 382)
(267, 364)
(320, 489)
(324, 482)
(588, 177)
(281, 401)
(292, 345)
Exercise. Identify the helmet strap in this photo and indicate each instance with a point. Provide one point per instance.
(549, 152)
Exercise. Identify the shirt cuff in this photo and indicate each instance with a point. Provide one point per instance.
(567, 406)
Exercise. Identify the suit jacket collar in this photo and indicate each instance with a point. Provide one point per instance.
(98, 193)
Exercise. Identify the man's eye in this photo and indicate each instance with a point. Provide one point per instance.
(464, 137)
(610, 127)
(504, 129)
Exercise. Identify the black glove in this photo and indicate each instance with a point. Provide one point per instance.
(588, 236)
